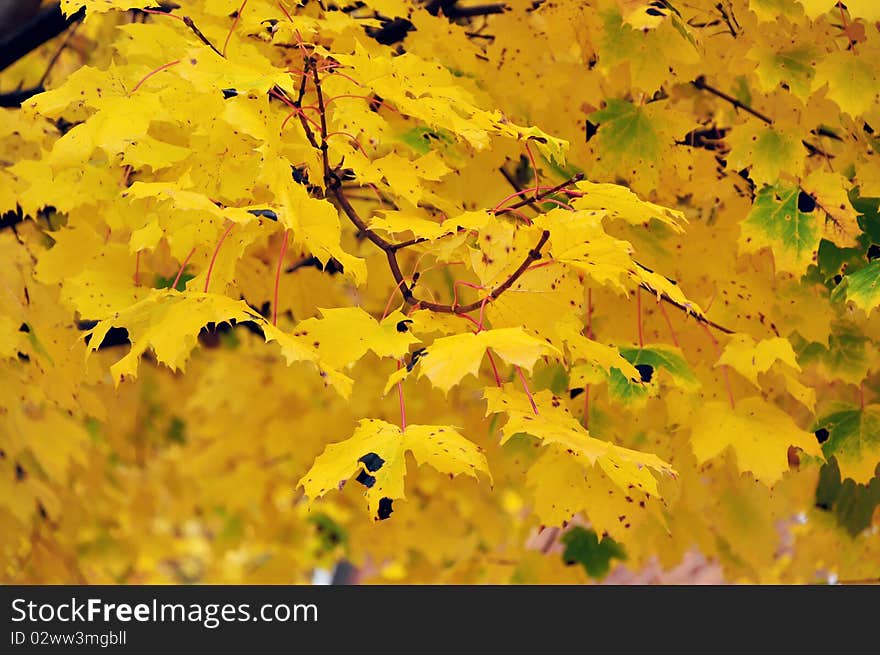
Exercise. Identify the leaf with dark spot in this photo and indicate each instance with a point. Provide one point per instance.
(646, 371)
(805, 203)
(385, 509)
(365, 479)
(372, 461)
(265, 213)
(414, 358)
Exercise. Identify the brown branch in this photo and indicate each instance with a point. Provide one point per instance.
(322, 111)
(390, 250)
(37, 30)
(334, 186)
(531, 201)
(663, 297)
(687, 310)
(204, 39)
(577, 177)
(700, 83)
(511, 180)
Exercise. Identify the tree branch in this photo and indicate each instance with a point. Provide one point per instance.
(204, 39)
(667, 299)
(700, 83)
(44, 26)
(333, 186)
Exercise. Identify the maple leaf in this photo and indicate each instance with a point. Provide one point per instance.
(792, 66)
(860, 8)
(448, 359)
(579, 240)
(852, 436)
(377, 452)
(647, 362)
(583, 547)
(782, 221)
(863, 286)
(666, 358)
(343, 335)
(562, 487)
(626, 40)
(633, 140)
(749, 358)
(553, 424)
(757, 431)
(168, 322)
(851, 82)
(606, 357)
(766, 151)
(102, 6)
(619, 202)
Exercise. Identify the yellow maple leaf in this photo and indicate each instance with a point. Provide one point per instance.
(606, 357)
(102, 6)
(757, 431)
(579, 240)
(749, 358)
(448, 359)
(168, 322)
(561, 487)
(766, 151)
(377, 451)
(553, 424)
(852, 82)
(618, 201)
(857, 8)
(829, 190)
(343, 335)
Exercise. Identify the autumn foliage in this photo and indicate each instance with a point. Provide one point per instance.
(511, 293)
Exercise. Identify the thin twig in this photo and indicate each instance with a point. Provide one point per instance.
(700, 83)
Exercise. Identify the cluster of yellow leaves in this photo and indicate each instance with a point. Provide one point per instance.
(715, 164)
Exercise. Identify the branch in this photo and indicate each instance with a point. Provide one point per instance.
(700, 83)
(687, 310)
(15, 98)
(452, 11)
(44, 26)
(684, 308)
(511, 180)
(334, 186)
(322, 111)
(204, 39)
(531, 201)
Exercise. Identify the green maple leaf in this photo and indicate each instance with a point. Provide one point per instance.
(779, 222)
(863, 286)
(852, 504)
(853, 437)
(583, 547)
(626, 133)
(648, 361)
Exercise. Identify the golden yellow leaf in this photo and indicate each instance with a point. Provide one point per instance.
(749, 358)
(757, 431)
(377, 452)
(448, 359)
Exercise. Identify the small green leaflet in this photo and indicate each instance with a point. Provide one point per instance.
(583, 547)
